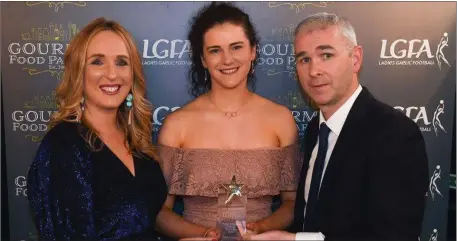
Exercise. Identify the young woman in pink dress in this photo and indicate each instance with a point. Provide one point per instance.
(227, 130)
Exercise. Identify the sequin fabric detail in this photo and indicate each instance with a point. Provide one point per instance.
(59, 194)
(68, 196)
(127, 220)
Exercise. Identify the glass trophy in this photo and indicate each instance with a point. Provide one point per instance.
(232, 200)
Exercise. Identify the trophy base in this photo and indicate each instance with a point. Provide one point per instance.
(227, 222)
(229, 230)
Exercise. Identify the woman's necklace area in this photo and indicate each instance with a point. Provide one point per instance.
(230, 114)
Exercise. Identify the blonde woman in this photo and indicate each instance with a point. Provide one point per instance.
(94, 176)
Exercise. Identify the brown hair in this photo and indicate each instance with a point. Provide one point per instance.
(70, 90)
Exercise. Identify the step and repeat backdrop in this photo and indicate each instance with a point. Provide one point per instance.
(409, 63)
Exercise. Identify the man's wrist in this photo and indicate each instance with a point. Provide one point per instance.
(309, 236)
(262, 227)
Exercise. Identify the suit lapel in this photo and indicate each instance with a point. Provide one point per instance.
(352, 131)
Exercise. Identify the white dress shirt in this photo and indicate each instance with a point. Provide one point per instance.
(335, 124)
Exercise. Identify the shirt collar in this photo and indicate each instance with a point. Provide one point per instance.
(336, 121)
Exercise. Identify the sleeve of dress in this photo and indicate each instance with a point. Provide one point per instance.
(56, 214)
(170, 162)
(42, 197)
(290, 168)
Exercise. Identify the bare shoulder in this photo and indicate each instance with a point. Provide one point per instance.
(281, 120)
(174, 125)
(276, 112)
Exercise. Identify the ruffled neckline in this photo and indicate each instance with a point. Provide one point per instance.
(269, 148)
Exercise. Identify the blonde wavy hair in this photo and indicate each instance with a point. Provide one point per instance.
(70, 91)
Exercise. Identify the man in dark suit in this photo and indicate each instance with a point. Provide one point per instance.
(365, 171)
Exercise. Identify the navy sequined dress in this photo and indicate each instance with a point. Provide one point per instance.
(77, 194)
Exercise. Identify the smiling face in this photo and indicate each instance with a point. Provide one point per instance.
(326, 66)
(227, 54)
(108, 76)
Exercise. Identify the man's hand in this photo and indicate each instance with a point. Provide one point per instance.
(255, 228)
(271, 235)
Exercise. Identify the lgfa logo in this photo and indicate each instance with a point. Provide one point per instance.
(159, 115)
(434, 235)
(420, 116)
(166, 52)
(433, 189)
(413, 52)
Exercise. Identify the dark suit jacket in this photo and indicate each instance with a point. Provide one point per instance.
(376, 179)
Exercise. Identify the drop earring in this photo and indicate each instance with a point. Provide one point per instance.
(206, 77)
(129, 105)
(81, 104)
(252, 67)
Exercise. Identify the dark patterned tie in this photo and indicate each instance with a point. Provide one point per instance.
(313, 195)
